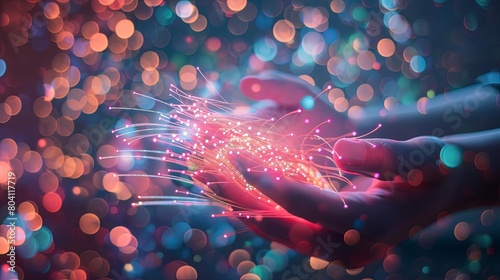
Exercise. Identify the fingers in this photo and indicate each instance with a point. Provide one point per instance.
(334, 210)
(262, 109)
(416, 159)
(230, 192)
(284, 89)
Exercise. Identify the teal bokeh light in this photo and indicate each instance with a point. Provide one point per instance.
(425, 270)
(3, 67)
(307, 102)
(262, 271)
(44, 238)
(265, 49)
(451, 156)
(275, 260)
(164, 15)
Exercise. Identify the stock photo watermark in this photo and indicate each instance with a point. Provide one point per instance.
(428, 150)
(11, 221)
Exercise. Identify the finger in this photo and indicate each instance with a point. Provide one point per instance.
(334, 210)
(416, 159)
(296, 233)
(262, 109)
(286, 90)
(229, 192)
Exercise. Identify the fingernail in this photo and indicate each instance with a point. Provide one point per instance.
(350, 152)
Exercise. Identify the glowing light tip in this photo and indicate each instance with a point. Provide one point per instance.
(225, 235)
(345, 206)
(329, 87)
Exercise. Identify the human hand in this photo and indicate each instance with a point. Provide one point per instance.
(408, 179)
(407, 196)
(286, 93)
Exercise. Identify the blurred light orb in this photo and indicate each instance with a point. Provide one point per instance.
(184, 9)
(390, 5)
(307, 102)
(313, 43)
(284, 31)
(386, 47)
(186, 273)
(3, 67)
(125, 28)
(265, 49)
(451, 156)
(236, 5)
(417, 64)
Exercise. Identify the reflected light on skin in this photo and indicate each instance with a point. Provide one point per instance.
(200, 134)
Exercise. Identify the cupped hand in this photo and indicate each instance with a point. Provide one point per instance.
(410, 189)
(405, 185)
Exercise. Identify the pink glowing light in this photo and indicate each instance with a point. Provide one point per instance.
(208, 131)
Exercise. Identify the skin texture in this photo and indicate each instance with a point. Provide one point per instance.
(405, 186)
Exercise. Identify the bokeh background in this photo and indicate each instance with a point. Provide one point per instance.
(63, 63)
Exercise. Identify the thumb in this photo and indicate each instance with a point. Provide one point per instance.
(387, 159)
(284, 89)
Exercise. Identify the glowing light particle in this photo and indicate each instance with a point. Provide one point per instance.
(236, 5)
(451, 156)
(425, 269)
(124, 29)
(265, 49)
(186, 272)
(184, 9)
(389, 4)
(284, 31)
(51, 10)
(3, 67)
(386, 47)
(431, 93)
(89, 223)
(462, 231)
(307, 102)
(98, 42)
(52, 202)
(417, 64)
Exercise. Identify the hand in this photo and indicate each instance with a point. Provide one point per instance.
(409, 196)
(285, 93)
(404, 191)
